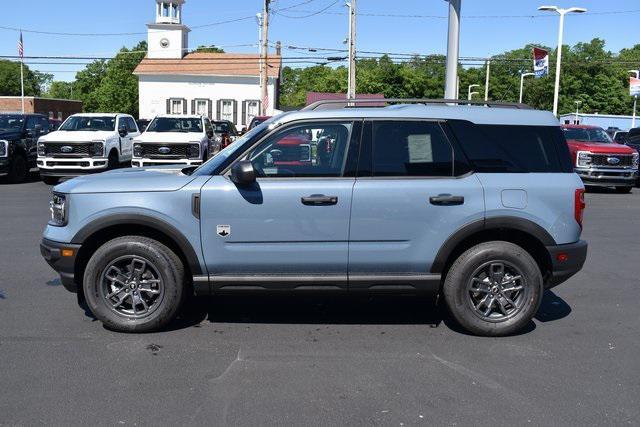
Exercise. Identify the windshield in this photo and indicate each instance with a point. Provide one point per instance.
(219, 159)
(175, 124)
(221, 127)
(89, 123)
(13, 122)
(586, 134)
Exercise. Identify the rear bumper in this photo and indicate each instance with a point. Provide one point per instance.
(566, 260)
(608, 177)
(65, 265)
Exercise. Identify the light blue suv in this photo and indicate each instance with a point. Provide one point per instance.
(478, 203)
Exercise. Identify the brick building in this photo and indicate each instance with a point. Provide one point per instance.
(52, 108)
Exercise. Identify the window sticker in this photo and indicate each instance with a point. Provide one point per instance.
(420, 150)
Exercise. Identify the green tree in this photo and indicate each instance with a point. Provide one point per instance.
(34, 81)
(209, 49)
(87, 82)
(60, 90)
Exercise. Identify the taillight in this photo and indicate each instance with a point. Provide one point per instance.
(579, 205)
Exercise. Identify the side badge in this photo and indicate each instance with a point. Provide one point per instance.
(223, 230)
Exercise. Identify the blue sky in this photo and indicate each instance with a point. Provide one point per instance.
(480, 36)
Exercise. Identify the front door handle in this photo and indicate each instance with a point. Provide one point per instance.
(319, 200)
(446, 200)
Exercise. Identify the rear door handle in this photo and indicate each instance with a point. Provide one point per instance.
(446, 200)
(319, 200)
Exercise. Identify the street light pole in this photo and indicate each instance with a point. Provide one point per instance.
(486, 82)
(575, 122)
(562, 13)
(453, 49)
(635, 100)
(469, 93)
(522, 76)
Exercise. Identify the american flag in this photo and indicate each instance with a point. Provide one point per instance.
(20, 47)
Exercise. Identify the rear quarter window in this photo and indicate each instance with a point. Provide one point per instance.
(513, 148)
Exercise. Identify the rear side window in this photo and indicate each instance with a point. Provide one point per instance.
(510, 148)
(410, 148)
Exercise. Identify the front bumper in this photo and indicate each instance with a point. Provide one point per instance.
(608, 177)
(566, 260)
(142, 162)
(65, 265)
(71, 166)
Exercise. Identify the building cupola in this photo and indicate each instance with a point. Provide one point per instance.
(169, 11)
(168, 37)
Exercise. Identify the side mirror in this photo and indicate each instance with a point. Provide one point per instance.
(243, 173)
(210, 133)
(122, 130)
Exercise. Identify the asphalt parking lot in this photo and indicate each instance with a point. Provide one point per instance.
(321, 360)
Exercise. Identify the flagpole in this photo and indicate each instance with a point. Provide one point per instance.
(21, 52)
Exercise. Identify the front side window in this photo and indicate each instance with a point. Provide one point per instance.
(89, 123)
(131, 125)
(175, 124)
(410, 148)
(11, 122)
(306, 150)
(176, 106)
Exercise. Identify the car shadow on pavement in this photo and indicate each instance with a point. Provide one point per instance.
(32, 176)
(347, 310)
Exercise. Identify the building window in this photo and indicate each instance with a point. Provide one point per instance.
(176, 106)
(201, 107)
(59, 115)
(226, 109)
(51, 115)
(250, 109)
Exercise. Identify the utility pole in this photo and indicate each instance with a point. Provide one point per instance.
(453, 49)
(486, 82)
(351, 85)
(635, 99)
(264, 87)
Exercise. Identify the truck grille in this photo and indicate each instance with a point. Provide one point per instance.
(176, 151)
(54, 149)
(606, 160)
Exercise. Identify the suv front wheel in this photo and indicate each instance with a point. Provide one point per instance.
(493, 289)
(134, 284)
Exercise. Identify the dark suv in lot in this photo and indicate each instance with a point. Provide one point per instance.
(19, 135)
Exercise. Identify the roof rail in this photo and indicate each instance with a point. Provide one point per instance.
(344, 103)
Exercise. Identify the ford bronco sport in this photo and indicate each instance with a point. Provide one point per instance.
(476, 203)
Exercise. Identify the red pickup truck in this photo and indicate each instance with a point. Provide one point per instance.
(598, 160)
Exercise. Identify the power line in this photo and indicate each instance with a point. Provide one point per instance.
(318, 12)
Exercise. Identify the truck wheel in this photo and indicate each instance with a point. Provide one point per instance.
(493, 289)
(18, 169)
(50, 180)
(134, 284)
(623, 190)
(113, 161)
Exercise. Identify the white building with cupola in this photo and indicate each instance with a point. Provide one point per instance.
(172, 79)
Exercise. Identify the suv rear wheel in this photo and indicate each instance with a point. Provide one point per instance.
(493, 289)
(134, 284)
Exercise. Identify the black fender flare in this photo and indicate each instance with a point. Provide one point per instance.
(493, 223)
(139, 219)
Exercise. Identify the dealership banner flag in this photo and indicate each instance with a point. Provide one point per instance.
(540, 62)
(634, 86)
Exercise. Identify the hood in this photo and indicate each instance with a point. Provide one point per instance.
(79, 136)
(130, 180)
(599, 147)
(169, 137)
(9, 134)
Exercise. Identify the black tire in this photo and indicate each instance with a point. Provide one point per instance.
(161, 262)
(113, 162)
(623, 190)
(18, 169)
(461, 299)
(50, 180)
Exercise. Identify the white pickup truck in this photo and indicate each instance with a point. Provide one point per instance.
(86, 143)
(175, 139)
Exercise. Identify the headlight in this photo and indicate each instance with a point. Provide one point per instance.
(97, 149)
(41, 149)
(4, 147)
(583, 159)
(58, 208)
(137, 150)
(635, 159)
(194, 151)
